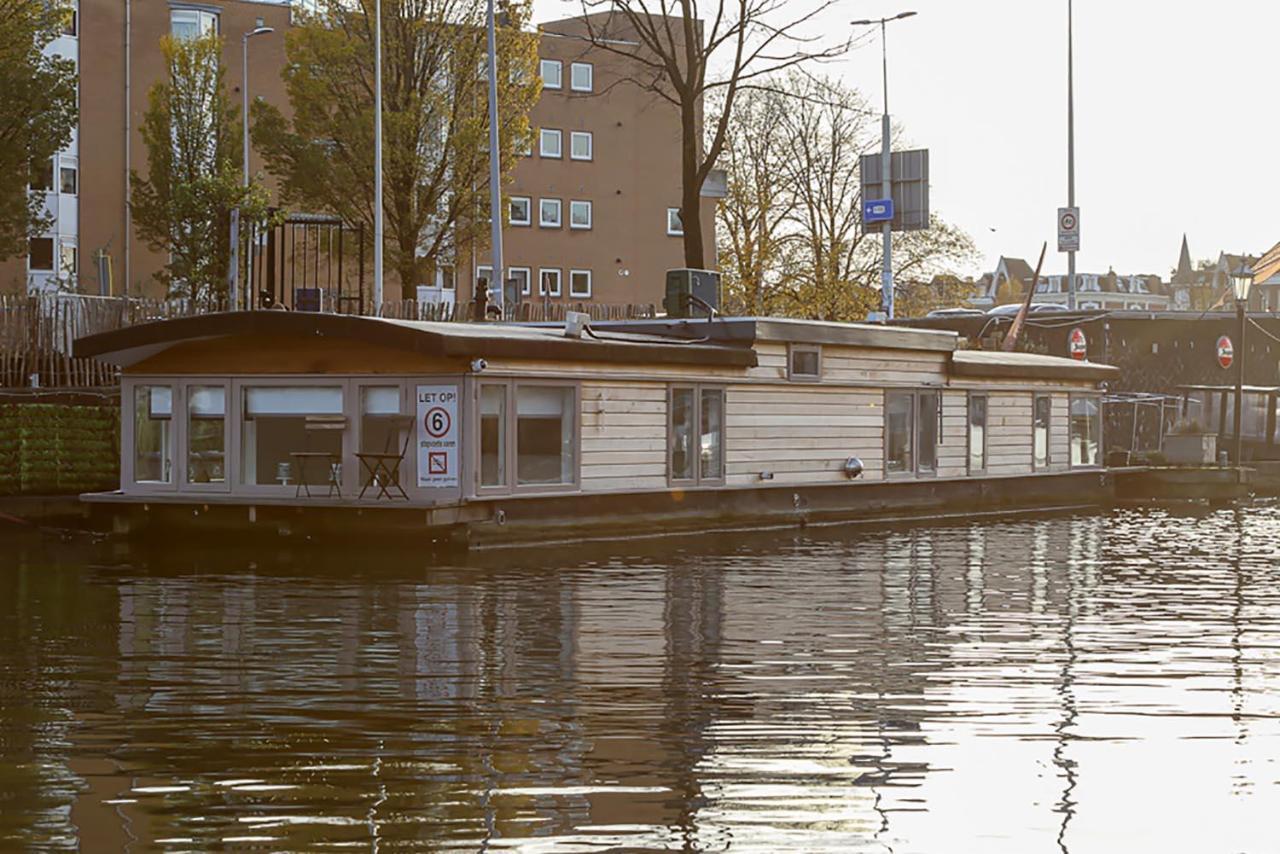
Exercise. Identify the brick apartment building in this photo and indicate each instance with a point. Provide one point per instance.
(594, 204)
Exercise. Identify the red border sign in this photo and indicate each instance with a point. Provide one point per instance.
(1077, 344)
(1226, 352)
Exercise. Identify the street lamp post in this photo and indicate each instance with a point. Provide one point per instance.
(497, 274)
(1241, 282)
(233, 275)
(886, 174)
(377, 159)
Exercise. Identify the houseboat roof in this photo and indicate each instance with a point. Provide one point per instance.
(746, 331)
(132, 344)
(995, 363)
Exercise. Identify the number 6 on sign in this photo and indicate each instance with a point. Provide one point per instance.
(437, 455)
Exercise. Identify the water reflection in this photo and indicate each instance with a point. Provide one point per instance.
(1077, 683)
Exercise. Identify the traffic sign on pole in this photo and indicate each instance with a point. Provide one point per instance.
(1068, 229)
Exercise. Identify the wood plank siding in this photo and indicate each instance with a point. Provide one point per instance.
(624, 436)
(802, 433)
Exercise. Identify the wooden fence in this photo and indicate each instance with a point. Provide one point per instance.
(37, 332)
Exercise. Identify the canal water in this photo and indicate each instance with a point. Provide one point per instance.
(1087, 683)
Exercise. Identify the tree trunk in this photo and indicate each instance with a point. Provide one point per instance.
(691, 190)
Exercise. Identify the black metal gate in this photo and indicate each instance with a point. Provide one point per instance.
(307, 262)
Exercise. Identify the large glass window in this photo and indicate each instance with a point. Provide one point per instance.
(696, 434)
(899, 414)
(1040, 431)
(1086, 431)
(206, 434)
(291, 434)
(927, 433)
(379, 422)
(545, 452)
(153, 434)
(493, 435)
(977, 433)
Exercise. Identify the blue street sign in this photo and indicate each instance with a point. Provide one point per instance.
(877, 210)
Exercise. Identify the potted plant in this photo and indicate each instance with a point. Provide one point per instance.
(1190, 444)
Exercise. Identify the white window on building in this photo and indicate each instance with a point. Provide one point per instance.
(42, 175)
(521, 210)
(521, 276)
(548, 282)
(675, 223)
(68, 261)
(580, 214)
(552, 74)
(580, 145)
(581, 76)
(551, 143)
(68, 180)
(192, 23)
(580, 284)
(40, 254)
(549, 213)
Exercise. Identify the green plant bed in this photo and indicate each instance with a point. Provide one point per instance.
(58, 449)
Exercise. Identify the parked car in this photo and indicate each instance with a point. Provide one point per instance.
(955, 312)
(1012, 308)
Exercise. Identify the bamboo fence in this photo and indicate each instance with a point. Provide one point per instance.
(37, 332)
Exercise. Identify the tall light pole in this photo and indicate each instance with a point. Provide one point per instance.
(886, 170)
(1071, 150)
(495, 171)
(377, 158)
(233, 274)
(1241, 283)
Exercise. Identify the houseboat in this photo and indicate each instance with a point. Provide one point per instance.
(482, 434)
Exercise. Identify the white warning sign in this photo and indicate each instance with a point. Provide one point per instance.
(437, 436)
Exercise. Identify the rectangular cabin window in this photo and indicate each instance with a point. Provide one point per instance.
(695, 435)
(899, 430)
(977, 433)
(285, 429)
(546, 450)
(153, 434)
(1086, 431)
(804, 362)
(1040, 431)
(206, 434)
(493, 435)
(927, 432)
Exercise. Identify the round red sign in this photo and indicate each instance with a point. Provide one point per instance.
(1077, 344)
(1226, 352)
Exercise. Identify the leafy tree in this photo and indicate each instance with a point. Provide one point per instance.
(37, 115)
(183, 206)
(435, 121)
(685, 53)
(791, 230)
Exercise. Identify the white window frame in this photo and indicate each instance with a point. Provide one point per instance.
(551, 133)
(574, 67)
(543, 222)
(672, 231)
(698, 479)
(543, 65)
(528, 278)
(590, 215)
(528, 210)
(200, 16)
(510, 426)
(543, 290)
(576, 135)
(74, 169)
(578, 294)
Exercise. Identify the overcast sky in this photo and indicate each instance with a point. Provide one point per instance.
(1176, 129)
